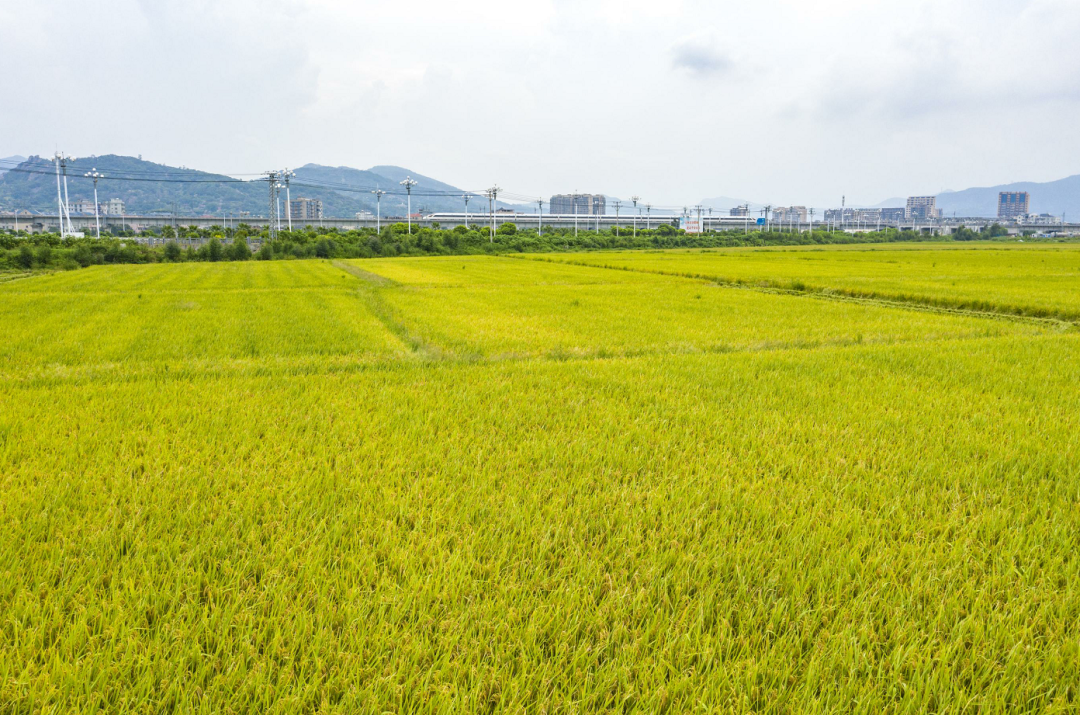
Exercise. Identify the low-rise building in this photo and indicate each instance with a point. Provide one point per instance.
(113, 207)
(790, 214)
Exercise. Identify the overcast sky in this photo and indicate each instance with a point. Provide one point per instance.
(782, 101)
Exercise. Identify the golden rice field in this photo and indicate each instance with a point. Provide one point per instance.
(1037, 280)
(491, 484)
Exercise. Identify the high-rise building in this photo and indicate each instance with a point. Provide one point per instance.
(580, 204)
(893, 215)
(922, 208)
(740, 211)
(1013, 204)
(302, 209)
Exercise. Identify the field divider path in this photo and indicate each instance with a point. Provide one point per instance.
(764, 285)
(371, 285)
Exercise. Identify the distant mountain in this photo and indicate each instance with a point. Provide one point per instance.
(9, 162)
(1052, 197)
(147, 187)
(724, 204)
(356, 185)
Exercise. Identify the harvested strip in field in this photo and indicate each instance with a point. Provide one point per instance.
(1037, 281)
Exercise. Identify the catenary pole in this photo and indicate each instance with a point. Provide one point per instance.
(93, 174)
(408, 183)
(378, 209)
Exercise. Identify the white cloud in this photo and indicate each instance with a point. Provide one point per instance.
(780, 100)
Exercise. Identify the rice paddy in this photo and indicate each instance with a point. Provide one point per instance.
(506, 485)
(1026, 280)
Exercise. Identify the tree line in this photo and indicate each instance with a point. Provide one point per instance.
(23, 251)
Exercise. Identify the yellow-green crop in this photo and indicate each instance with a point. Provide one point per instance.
(377, 486)
(1026, 280)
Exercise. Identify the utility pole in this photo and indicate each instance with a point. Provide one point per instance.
(286, 175)
(617, 205)
(466, 197)
(701, 227)
(272, 217)
(648, 215)
(493, 200)
(811, 220)
(378, 209)
(635, 199)
(408, 183)
(768, 218)
(93, 174)
(540, 214)
(843, 210)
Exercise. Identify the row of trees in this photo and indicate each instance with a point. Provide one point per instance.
(23, 251)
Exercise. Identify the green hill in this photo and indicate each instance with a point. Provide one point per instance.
(147, 187)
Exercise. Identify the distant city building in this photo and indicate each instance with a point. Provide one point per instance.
(922, 208)
(790, 214)
(840, 216)
(740, 211)
(863, 218)
(1013, 204)
(364, 215)
(305, 209)
(113, 207)
(81, 206)
(580, 204)
(1042, 220)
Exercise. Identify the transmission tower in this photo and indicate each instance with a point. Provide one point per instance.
(272, 216)
(61, 160)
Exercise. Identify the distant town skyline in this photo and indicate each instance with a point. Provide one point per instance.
(791, 102)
